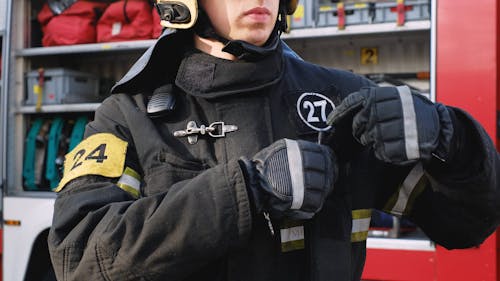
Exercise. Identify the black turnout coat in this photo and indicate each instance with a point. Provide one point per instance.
(186, 215)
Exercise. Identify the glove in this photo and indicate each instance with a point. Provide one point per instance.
(290, 178)
(402, 127)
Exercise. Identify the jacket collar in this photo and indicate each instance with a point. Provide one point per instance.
(159, 63)
(206, 76)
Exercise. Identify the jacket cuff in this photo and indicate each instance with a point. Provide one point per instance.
(469, 159)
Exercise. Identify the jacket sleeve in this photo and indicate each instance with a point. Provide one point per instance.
(457, 202)
(102, 232)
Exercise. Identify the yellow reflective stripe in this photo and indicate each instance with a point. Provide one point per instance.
(422, 183)
(359, 236)
(362, 214)
(132, 191)
(129, 171)
(292, 246)
(130, 181)
(360, 224)
(401, 202)
(292, 235)
(287, 223)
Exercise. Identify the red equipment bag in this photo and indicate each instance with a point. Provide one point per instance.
(126, 20)
(157, 27)
(75, 25)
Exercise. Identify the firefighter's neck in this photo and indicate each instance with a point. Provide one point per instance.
(212, 47)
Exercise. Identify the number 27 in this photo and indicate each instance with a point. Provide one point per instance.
(312, 109)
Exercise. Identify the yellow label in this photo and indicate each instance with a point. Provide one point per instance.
(299, 13)
(106, 47)
(101, 154)
(37, 89)
(325, 8)
(369, 56)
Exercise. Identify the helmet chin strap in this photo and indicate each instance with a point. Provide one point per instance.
(239, 48)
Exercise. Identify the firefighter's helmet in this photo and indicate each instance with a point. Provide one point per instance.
(182, 14)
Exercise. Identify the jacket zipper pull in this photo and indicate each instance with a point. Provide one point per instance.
(269, 223)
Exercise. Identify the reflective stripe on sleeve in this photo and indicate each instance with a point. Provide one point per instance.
(360, 224)
(412, 186)
(410, 123)
(292, 236)
(130, 181)
(296, 173)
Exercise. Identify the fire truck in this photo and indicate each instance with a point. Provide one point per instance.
(50, 90)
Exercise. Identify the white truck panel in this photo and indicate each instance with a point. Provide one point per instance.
(35, 215)
(3, 15)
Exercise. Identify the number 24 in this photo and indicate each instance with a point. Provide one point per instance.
(98, 154)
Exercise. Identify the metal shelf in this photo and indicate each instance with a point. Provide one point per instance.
(86, 48)
(379, 28)
(32, 194)
(362, 29)
(59, 108)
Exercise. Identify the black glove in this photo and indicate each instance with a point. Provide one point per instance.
(290, 178)
(402, 127)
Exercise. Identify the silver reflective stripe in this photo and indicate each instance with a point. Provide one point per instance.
(292, 234)
(407, 189)
(360, 225)
(130, 182)
(410, 123)
(296, 173)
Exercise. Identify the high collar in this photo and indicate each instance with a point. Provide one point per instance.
(159, 63)
(206, 76)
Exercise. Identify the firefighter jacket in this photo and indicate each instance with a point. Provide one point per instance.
(164, 198)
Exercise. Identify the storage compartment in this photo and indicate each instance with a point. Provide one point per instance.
(47, 140)
(372, 12)
(354, 14)
(303, 16)
(60, 85)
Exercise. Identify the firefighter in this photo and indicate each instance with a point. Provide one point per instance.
(221, 155)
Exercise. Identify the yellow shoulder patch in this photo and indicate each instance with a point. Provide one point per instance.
(100, 154)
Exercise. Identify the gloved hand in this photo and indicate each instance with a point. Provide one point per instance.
(290, 178)
(402, 127)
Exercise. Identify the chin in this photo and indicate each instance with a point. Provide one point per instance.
(258, 40)
(255, 35)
